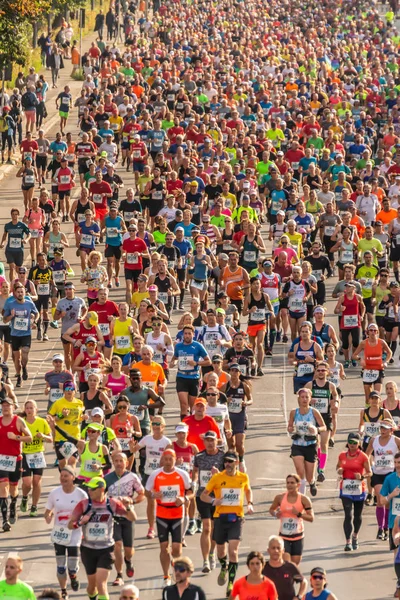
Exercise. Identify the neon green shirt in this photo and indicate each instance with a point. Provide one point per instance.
(18, 591)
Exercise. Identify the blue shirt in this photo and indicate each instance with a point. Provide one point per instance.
(391, 482)
(184, 352)
(85, 231)
(60, 146)
(113, 229)
(20, 325)
(184, 247)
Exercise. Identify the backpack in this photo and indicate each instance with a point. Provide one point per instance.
(3, 125)
(89, 508)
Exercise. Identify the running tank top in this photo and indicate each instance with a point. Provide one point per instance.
(9, 447)
(258, 316)
(115, 386)
(158, 356)
(89, 460)
(305, 370)
(321, 395)
(235, 397)
(187, 456)
(373, 355)
(384, 456)
(350, 317)
(372, 426)
(122, 336)
(301, 424)
(80, 212)
(291, 527)
(200, 269)
(95, 402)
(334, 374)
(323, 333)
(395, 412)
(54, 242)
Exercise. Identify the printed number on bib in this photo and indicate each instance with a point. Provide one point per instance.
(61, 535)
(7, 463)
(351, 487)
(370, 375)
(36, 460)
(231, 496)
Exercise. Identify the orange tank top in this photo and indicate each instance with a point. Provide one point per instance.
(373, 355)
(292, 527)
(234, 282)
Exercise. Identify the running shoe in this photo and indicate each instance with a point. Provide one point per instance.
(368, 500)
(24, 373)
(117, 283)
(354, 363)
(321, 477)
(167, 581)
(6, 526)
(354, 543)
(181, 307)
(64, 595)
(260, 372)
(151, 534)
(34, 511)
(268, 352)
(45, 337)
(278, 336)
(199, 524)
(229, 589)
(346, 364)
(191, 530)
(54, 324)
(118, 581)
(130, 571)
(213, 561)
(23, 507)
(285, 339)
(222, 577)
(19, 381)
(206, 566)
(331, 443)
(75, 585)
(385, 534)
(348, 547)
(313, 489)
(380, 534)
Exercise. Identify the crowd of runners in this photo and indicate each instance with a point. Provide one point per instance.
(260, 148)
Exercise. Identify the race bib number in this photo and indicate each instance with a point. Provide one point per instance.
(65, 179)
(290, 526)
(317, 274)
(350, 321)
(329, 230)
(55, 394)
(321, 404)
(29, 179)
(351, 487)
(58, 276)
(235, 405)
(372, 429)
(396, 506)
(204, 477)
(105, 328)
(128, 216)
(91, 466)
(14, 243)
(97, 198)
(8, 463)
(302, 427)
(61, 535)
(124, 443)
(132, 258)
(21, 324)
(249, 256)
(296, 303)
(183, 363)
(134, 410)
(157, 195)
(68, 449)
(112, 232)
(347, 256)
(370, 375)
(231, 496)
(91, 371)
(34, 233)
(96, 532)
(86, 239)
(169, 493)
(36, 460)
(258, 315)
(305, 369)
(384, 463)
(123, 342)
(163, 296)
(43, 289)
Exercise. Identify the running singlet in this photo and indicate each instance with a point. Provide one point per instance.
(171, 485)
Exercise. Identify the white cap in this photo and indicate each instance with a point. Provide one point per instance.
(58, 357)
(97, 411)
(181, 427)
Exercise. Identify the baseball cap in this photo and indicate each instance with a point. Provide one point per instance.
(210, 434)
(93, 318)
(221, 295)
(354, 436)
(95, 426)
(58, 357)
(223, 256)
(200, 401)
(210, 311)
(231, 456)
(95, 482)
(181, 428)
(69, 384)
(91, 338)
(267, 263)
(217, 358)
(22, 270)
(97, 411)
(153, 288)
(220, 311)
(6, 400)
(319, 570)
(234, 366)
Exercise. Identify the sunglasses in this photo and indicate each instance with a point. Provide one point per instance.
(228, 460)
(208, 394)
(156, 423)
(122, 407)
(317, 577)
(69, 389)
(180, 568)
(90, 343)
(156, 324)
(134, 376)
(92, 430)
(353, 443)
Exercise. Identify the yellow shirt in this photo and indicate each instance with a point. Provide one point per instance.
(231, 489)
(296, 240)
(123, 336)
(39, 425)
(137, 297)
(116, 123)
(71, 424)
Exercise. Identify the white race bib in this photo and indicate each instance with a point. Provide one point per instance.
(329, 230)
(183, 363)
(305, 369)
(204, 477)
(96, 532)
(321, 404)
(231, 496)
(132, 258)
(249, 256)
(58, 276)
(351, 487)
(290, 526)
(123, 342)
(21, 323)
(43, 289)
(36, 460)
(370, 375)
(134, 410)
(8, 463)
(14, 242)
(61, 535)
(68, 449)
(350, 321)
(169, 493)
(105, 328)
(86, 239)
(55, 394)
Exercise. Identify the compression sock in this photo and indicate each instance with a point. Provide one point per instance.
(39, 323)
(380, 516)
(4, 508)
(393, 346)
(222, 562)
(182, 295)
(396, 275)
(319, 457)
(45, 326)
(386, 518)
(232, 568)
(303, 485)
(272, 336)
(322, 460)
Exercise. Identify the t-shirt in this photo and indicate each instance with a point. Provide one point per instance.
(134, 263)
(231, 488)
(197, 428)
(15, 235)
(73, 309)
(18, 591)
(38, 426)
(283, 578)
(261, 591)
(184, 352)
(62, 505)
(21, 322)
(71, 423)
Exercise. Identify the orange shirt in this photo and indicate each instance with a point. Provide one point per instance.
(152, 374)
(386, 216)
(138, 90)
(234, 282)
(75, 57)
(171, 485)
(243, 590)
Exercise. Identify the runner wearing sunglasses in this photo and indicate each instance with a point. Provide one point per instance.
(318, 586)
(183, 569)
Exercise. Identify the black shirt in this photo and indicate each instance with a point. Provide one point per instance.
(284, 578)
(192, 592)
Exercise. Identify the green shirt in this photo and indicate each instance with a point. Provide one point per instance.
(368, 276)
(218, 221)
(18, 591)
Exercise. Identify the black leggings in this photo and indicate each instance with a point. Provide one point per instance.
(355, 337)
(348, 507)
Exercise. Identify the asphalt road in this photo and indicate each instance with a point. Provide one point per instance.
(368, 573)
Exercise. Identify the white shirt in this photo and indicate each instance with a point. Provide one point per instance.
(62, 506)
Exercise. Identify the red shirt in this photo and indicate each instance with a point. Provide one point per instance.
(174, 131)
(138, 151)
(29, 147)
(244, 590)
(200, 427)
(64, 179)
(98, 193)
(108, 309)
(351, 466)
(172, 186)
(294, 156)
(130, 246)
